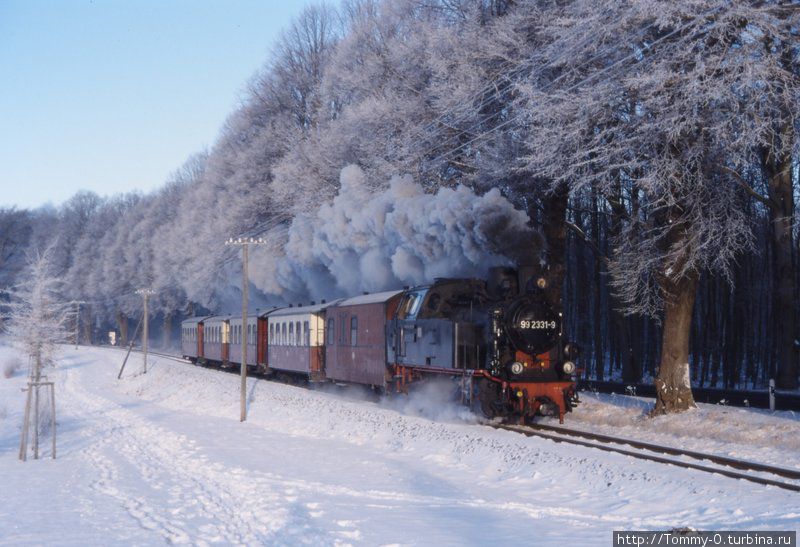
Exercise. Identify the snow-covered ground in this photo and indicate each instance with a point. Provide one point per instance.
(162, 457)
(743, 433)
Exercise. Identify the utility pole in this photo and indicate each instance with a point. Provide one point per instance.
(245, 242)
(146, 293)
(77, 304)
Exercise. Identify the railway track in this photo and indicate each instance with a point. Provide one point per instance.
(730, 467)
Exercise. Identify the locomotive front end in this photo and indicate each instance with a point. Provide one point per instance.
(532, 370)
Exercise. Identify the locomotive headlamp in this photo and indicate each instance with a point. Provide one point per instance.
(568, 367)
(541, 283)
(517, 367)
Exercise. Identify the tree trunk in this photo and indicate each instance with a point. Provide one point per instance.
(167, 334)
(778, 169)
(631, 360)
(673, 386)
(599, 354)
(122, 325)
(86, 331)
(555, 235)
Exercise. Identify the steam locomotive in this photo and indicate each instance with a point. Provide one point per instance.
(499, 340)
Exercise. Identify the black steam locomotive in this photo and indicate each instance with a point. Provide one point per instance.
(501, 337)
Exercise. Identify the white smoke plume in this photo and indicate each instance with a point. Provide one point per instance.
(368, 241)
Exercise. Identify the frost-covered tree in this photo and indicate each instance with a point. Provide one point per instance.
(15, 230)
(36, 313)
(664, 98)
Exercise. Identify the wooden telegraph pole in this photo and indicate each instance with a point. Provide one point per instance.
(146, 293)
(245, 243)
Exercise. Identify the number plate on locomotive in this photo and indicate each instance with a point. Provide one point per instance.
(536, 325)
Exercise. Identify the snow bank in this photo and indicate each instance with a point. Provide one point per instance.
(745, 433)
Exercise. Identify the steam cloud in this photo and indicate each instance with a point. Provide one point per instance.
(367, 241)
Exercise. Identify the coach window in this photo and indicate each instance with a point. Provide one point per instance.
(331, 332)
(271, 333)
(354, 331)
(306, 335)
(283, 334)
(291, 333)
(298, 339)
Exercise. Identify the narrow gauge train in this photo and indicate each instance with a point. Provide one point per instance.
(499, 340)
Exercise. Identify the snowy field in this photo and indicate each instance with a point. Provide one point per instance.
(162, 458)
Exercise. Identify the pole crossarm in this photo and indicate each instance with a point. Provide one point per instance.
(245, 243)
(146, 292)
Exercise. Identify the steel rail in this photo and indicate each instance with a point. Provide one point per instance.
(538, 431)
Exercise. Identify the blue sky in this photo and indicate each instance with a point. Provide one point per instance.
(113, 95)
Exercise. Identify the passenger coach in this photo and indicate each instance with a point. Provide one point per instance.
(296, 338)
